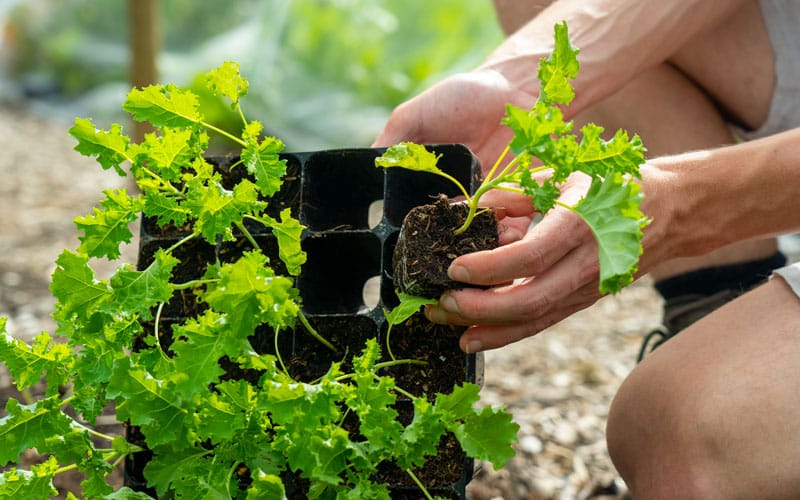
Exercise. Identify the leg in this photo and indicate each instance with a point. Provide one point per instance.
(715, 413)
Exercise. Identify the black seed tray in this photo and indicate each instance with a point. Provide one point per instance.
(352, 212)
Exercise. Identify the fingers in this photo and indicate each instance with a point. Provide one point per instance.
(542, 247)
(484, 337)
(572, 281)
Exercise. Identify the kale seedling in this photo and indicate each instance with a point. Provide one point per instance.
(611, 205)
(210, 436)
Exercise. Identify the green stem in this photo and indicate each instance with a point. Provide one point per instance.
(193, 283)
(419, 484)
(499, 160)
(278, 352)
(314, 333)
(157, 321)
(224, 133)
(181, 242)
(456, 182)
(247, 234)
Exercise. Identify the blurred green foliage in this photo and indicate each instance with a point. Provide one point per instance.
(324, 73)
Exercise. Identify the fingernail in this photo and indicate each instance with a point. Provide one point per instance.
(436, 315)
(474, 346)
(458, 273)
(448, 303)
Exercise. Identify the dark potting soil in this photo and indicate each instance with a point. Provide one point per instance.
(426, 246)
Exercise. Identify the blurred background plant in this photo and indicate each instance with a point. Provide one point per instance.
(323, 73)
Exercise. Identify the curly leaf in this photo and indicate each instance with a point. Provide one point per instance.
(164, 106)
(107, 227)
(599, 157)
(250, 293)
(264, 163)
(226, 81)
(611, 209)
(136, 292)
(74, 285)
(288, 232)
(556, 69)
(28, 363)
(30, 426)
(149, 402)
(217, 208)
(486, 434)
(109, 148)
(33, 484)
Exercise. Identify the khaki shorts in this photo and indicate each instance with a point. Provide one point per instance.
(791, 275)
(782, 19)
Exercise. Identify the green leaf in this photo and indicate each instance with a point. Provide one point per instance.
(556, 69)
(199, 344)
(266, 486)
(262, 160)
(217, 208)
(534, 130)
(126, 493)
(28, 363)
(108, 227)
(410, 156)
(250, 293)
(29, 426)
(109, 148)
(421, 437)
(136, 292)
(611, 209)
(79, 294)
(409, 305)
(168, 466)
(35, 484)
(288, 232)
(164, 106)
(485, 434)
(166, 154)
(226, 81)
(148, 402)
(620, 154)
(165, 209)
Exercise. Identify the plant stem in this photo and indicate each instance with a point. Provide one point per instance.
(499, 160)
(419, 484)
(224, 133)
(181, 242)
(278, 352)
(247, 234)
(193, 283)
(314, 333)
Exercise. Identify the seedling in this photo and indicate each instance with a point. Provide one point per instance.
(611, 205)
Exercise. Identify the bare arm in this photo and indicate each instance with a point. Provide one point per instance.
(703, 200)
(618, 39)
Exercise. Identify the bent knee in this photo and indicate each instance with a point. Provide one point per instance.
(663, 440)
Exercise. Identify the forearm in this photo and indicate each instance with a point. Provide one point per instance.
(617, 38)
(704, 200)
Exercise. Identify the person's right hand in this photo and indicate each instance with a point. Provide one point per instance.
(465, 108)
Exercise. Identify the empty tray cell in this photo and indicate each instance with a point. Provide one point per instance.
(338, 266)
(407, 189)
(388, 295)
(338, 189)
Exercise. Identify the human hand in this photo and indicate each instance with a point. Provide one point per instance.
(538, 276)
(465, 108)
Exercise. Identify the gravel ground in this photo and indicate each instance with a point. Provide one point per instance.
(558, 385)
